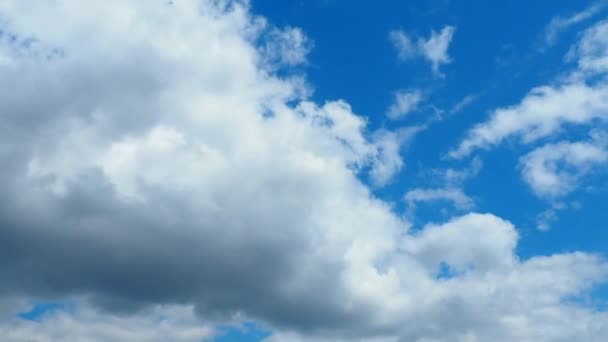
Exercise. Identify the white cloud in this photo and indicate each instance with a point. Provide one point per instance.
(554, 170)
(446, 186)
(546, 218)
(545, 110)
(389, 162)
(288, 46)
(591, 52)
(455, 177)
(486, 244)
(462, 104)
(160, 324)
(434, 48)
(454, 195)
(559, 24)
(506, 299)
(406, 49)
(541, 113)
(404, 102)
(158, 173)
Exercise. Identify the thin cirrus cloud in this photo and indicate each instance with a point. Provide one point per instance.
(463, 103)
(559, 24)
(169, 188)
(434, 48)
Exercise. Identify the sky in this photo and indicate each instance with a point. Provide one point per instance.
(319, 170)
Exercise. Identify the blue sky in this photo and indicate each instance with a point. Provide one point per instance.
(498, 54)
(317, 170)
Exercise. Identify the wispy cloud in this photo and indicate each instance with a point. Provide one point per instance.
(560, 23)
(453, 195)
(546, 109)
(434, 48)
(404, 102)
(462, 104)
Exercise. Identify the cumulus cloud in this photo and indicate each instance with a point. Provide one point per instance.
(404, 102)
(165, 172)
(577, 100)
(487, 286)
(434, 48)
(554, 170)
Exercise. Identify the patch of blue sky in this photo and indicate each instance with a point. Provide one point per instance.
(41, 309)
(247, 332)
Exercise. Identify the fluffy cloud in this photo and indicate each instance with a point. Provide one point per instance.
(542, 112)
(486, 287)
(166, 165)
(165, 170)
(434, 48)
(554, 170)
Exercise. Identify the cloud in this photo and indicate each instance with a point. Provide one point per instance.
(404, 102)
(446, 186)
(488, 287)
(406, 48)
(554, 170)
(455, 177)
(288, 46)
(182, 164)
(559, 24)
(463, 103)
(453, 195)
(434, 48)
(166, 172)
(175, 323)
(546, 109)
(591, 52)
(388, 162)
